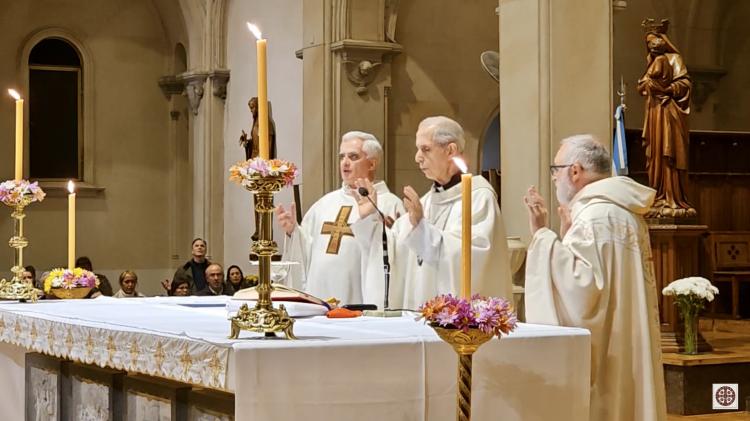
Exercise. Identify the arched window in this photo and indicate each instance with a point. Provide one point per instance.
(55, 111)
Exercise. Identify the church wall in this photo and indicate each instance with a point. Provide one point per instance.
(281, 23)
(733, 91)
(439, 73)
(125, 227)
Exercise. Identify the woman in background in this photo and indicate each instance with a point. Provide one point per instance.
(236, 279)
(128, 284)
(180, 288)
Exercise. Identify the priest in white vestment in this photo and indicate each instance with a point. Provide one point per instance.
(600, 277)
(331, 262)
(425, 244)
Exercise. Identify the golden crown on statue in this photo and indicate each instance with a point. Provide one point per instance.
(650, 25)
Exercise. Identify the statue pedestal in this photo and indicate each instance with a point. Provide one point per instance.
(676, 250)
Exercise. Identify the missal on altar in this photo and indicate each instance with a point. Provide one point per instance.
(281, 293)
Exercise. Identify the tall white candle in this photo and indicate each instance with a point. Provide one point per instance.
(71, 225)
(465, 228)
(261, 44)
(19, 134)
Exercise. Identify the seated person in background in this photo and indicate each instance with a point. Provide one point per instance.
(215, 280)
(128, 283)
(29, 275)
(180, 288)
(105, 288)
(236, 280)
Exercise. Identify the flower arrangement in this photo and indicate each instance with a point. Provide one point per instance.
(694, 289)
(243, 171)
(20, 192)
(691, 294)
(492, 316)
(70, 279)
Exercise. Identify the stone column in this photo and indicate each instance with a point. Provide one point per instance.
(346, 71)
(205, 88)
(555, 81)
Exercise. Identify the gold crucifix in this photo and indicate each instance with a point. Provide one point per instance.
(337, 229)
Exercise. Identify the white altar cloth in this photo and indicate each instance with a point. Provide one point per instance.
(340, 369)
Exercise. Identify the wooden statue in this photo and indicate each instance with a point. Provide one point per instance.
(666, 86)
(252, 143)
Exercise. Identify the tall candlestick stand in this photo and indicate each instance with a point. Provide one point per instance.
(263, 318)
(465, 344)
(16, 288)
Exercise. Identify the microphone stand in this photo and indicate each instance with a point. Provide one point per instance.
(386, 312)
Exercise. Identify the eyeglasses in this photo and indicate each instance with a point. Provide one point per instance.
(553, 169)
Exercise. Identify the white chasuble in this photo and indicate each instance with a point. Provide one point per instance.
(600, 277)
(426, 259)
(331, 262)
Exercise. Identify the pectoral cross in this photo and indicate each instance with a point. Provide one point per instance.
(337, 229)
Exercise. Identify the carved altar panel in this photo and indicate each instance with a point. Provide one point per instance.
(43, 384)
(154, 399)
(210, 405)
(91, 393)
(145, 407)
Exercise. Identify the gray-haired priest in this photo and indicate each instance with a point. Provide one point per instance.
(324, 244)
(426, 242)
(598, 274)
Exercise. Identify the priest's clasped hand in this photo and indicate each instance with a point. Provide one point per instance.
(286, 218)
(537, 210)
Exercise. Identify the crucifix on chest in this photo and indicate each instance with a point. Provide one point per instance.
(337, 229)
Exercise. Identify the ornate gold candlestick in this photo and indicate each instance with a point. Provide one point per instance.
(465, 344)
(263, 318)
(16, 288)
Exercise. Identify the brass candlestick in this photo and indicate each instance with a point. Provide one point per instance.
(263, 318)
(465, 344)
(16, 288)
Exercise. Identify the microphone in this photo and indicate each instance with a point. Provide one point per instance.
(386, 263)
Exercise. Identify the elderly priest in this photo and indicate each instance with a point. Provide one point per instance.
(324, 244)
(426, 242)
(599, 275)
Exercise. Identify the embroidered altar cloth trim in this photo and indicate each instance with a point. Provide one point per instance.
(55, 329)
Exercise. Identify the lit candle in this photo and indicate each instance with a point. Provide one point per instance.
(19, 133)
(465, 227)
(71, 225)
(262, 91)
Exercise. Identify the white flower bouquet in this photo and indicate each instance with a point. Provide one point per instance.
(694, 288)
(691, 295)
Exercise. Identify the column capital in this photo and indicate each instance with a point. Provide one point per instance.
(219, 80)
(194, 81)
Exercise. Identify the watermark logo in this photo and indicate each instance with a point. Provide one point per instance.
(725, 396)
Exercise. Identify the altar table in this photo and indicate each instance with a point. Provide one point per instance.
(340, 369)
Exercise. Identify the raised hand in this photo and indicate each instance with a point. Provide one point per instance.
(364, 206)
(166, 284)
(413, 205)
(286, 218)
(537, 210)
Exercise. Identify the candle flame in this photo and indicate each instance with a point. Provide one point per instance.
(14, 94)
(460, 164)
(71, 186)
(254, 29)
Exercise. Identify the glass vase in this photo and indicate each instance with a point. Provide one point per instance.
(690, 319)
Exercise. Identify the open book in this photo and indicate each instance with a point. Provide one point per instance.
(281, 293)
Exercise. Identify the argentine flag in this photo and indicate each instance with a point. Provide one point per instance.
(619, 148)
